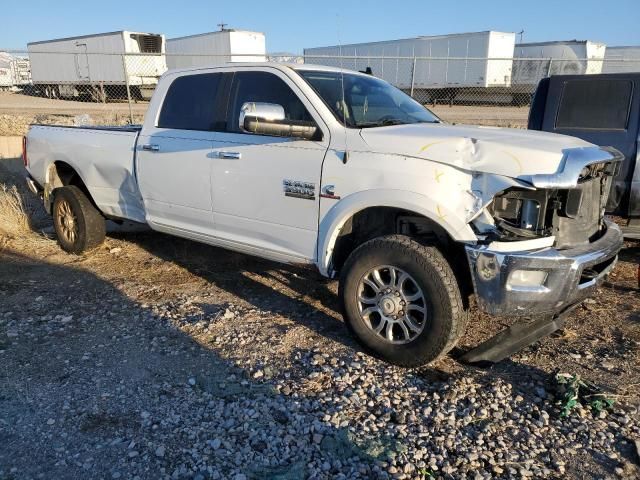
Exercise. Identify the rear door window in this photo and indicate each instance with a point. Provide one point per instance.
(595, 104)
(190, 103)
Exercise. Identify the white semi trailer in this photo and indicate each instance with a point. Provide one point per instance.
(621, 59)
(534, 61)
(453, 67)
(101, 65)
(14, 72)
(6, 71)
(215, 48)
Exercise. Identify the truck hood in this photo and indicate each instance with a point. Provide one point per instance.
(503, 151)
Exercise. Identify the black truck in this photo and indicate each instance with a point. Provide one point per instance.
(602, 109)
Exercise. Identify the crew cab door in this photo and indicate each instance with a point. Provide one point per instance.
(174, 156)
(253, 174)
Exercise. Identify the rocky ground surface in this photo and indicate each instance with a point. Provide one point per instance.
(154, 357)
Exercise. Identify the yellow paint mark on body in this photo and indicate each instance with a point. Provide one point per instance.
(438, 175)
(429, 145)
(440, 214)
(515, 159)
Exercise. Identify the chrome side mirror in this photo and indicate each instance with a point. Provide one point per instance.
(259, 112)
(269, 119)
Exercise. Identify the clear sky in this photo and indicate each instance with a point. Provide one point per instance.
(293, 25)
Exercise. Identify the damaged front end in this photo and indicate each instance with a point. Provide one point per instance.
(545, 245)
(574, 216)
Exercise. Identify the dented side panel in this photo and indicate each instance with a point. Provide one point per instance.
(439, 192)
(104, 160)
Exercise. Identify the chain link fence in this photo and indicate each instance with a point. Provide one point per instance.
(86, 88)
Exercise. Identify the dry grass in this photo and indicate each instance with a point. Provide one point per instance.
(21, 215)
(14, 217)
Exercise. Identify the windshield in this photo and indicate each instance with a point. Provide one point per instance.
(368, 101)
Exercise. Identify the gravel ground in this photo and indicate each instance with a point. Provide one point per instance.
(155, 357)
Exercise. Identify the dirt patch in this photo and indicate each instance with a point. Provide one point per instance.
(10, 147)
(496, 116)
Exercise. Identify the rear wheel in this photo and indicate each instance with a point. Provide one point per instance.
(402, 301)
(79, 225)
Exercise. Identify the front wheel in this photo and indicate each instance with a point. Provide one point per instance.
(79, 225)
(401, 300)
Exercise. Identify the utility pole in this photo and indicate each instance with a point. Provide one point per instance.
(521, 33)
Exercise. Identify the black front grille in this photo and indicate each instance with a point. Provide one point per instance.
(579, 221)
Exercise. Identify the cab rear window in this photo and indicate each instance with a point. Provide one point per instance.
(595, 104)
(190, 103)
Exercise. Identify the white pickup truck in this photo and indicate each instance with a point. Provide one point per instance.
(313, 165)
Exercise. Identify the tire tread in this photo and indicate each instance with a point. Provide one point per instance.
(94, 231)
(427, 257)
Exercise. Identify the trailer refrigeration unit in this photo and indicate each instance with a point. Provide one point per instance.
(215, 48)
(621, 60)
(100, 65)
(465, 67)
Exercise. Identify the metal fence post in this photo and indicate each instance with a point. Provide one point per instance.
(126, 82)
(413, 74)
(549, 68)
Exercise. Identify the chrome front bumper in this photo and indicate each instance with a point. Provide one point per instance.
(571, 275)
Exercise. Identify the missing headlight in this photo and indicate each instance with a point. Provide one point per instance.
(530, 214)
(573, 216)
(523, 213)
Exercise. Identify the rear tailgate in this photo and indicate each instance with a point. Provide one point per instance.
(103, 157)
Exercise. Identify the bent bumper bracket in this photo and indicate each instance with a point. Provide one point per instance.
(514, 338)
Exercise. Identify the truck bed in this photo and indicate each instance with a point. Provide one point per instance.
(108, 128)
(103, 157)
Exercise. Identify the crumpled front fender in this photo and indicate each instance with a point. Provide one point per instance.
(335, 219)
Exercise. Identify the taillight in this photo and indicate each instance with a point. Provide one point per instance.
(24, 151)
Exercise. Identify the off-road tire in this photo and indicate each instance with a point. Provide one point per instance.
(90, 223)
(446, 315)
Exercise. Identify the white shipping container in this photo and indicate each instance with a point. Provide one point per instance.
(621, 59)
(479, 59)
(114, 58)
(573, 57)
(215, 48)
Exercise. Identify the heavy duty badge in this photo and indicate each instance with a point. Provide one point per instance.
(299, 189)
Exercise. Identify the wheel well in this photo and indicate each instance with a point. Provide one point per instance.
(61, 174)
(375, 222)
